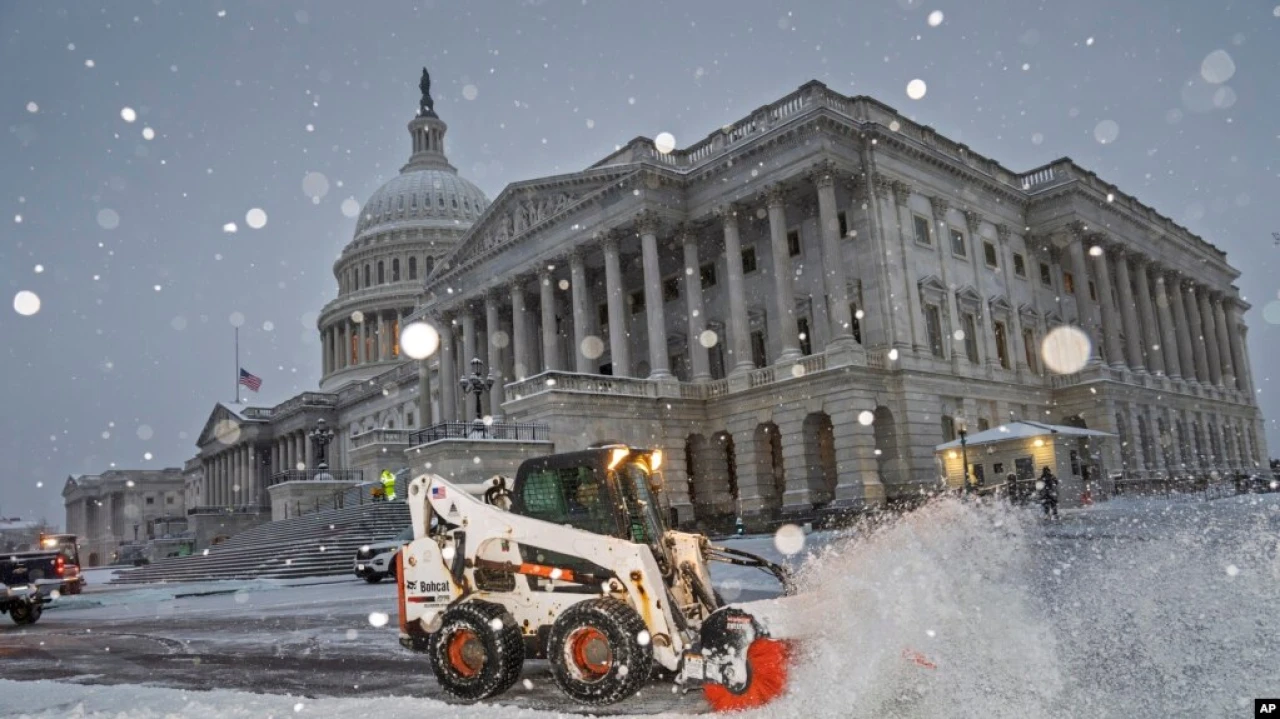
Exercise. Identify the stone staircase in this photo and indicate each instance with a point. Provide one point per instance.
(318, 544)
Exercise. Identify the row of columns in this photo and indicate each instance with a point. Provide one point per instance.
(1157, 442)
(231, 477)
(292, 451)
(1187, 331)
(374, 338)
(648, 226)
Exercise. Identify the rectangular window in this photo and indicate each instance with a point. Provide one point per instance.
(843, 219)
(983, 424)
(408, 420)
(1019, 265)
(922, 230)
(1093, 291)
(933, 328)
(637, 301)
(806, 340)
(1068, 283)
(1046, 276)
(708, 274)
(958, 246)
(758, 354)
(1029, 347)
(603, 315)
(970, 325)
(569, 495)
(793, 243)
(671, 289)
(748, 260)
(1002, 349)
(948, 428)
(151, 500)
(855, 320)
(989, 254)
(168, 500)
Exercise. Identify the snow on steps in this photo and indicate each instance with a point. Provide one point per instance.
(319, 544)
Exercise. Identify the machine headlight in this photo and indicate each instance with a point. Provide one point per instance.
(1275, 484)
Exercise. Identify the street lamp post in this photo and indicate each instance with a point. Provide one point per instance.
(477, 384)
(962, 429)
(322, 435)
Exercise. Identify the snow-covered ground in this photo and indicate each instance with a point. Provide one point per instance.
(1134, 608)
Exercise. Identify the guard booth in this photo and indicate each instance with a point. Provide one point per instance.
(1075, 455)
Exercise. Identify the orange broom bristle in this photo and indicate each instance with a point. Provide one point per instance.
(768, 659)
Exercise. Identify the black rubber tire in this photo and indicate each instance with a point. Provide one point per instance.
(503, 651)
(373, 578)
(23, 613)
(621, 627)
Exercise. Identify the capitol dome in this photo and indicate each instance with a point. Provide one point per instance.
(408, 224)
(429, 197)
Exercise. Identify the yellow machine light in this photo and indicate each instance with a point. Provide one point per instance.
(655, 460)
(619, 454)
(50, 542)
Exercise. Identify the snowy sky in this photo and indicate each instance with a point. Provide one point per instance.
(118, 226)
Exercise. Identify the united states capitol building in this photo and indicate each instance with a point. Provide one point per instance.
(797, 308)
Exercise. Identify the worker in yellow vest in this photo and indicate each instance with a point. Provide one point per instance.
(388, 485)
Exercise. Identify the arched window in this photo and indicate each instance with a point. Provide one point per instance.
(382, 277)
(431, 264)
(367, 276)
(395, 269)
(413, 268)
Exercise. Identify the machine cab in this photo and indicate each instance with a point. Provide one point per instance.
(612, 490)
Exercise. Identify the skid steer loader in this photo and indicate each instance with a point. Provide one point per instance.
(576, 561)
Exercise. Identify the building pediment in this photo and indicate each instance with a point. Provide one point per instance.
(223, 426)
(525, 208)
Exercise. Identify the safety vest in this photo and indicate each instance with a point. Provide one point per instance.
(388, 484)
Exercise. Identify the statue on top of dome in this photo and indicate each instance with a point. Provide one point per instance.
(426, 106)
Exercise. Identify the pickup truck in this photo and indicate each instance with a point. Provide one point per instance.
(28, 578)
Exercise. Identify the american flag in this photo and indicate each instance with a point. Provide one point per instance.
(252, 381)
(437, 492)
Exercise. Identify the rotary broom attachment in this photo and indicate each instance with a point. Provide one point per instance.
(738, 664)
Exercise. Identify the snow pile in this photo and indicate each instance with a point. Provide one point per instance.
(932, 612)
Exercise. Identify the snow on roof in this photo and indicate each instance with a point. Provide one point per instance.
(1022, 430)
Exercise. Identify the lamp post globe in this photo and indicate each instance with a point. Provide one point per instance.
(322, 435)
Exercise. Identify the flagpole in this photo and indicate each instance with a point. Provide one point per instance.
(237, 395)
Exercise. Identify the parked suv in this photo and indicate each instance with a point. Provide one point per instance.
(377, 560)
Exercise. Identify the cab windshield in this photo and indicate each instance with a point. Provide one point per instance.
(643, 521)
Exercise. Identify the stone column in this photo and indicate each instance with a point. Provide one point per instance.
(823, 175)
(380, 331)
(362, 355)
(1195, 330)
(977, 260)
(699, 362)
(547, 308)
(424, 393)
(619, 336)
(344, 345)
(906, 229)
(581, 310)
(1129, 312)
(468, 340)
(1186, 355)
(1224, 342)
(1153, 347)
(1014, 343)
(1170, 340)
(783, 280)
(1085, 310)
(520, 340)
(324, 353)
(497, 395)
(1209, 330)
(1236, 336)
(739, 337)
(448, 373)
(1106, 300)
(655, 314)
(309, 450)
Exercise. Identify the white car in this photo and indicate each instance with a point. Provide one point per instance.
(377, 560)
